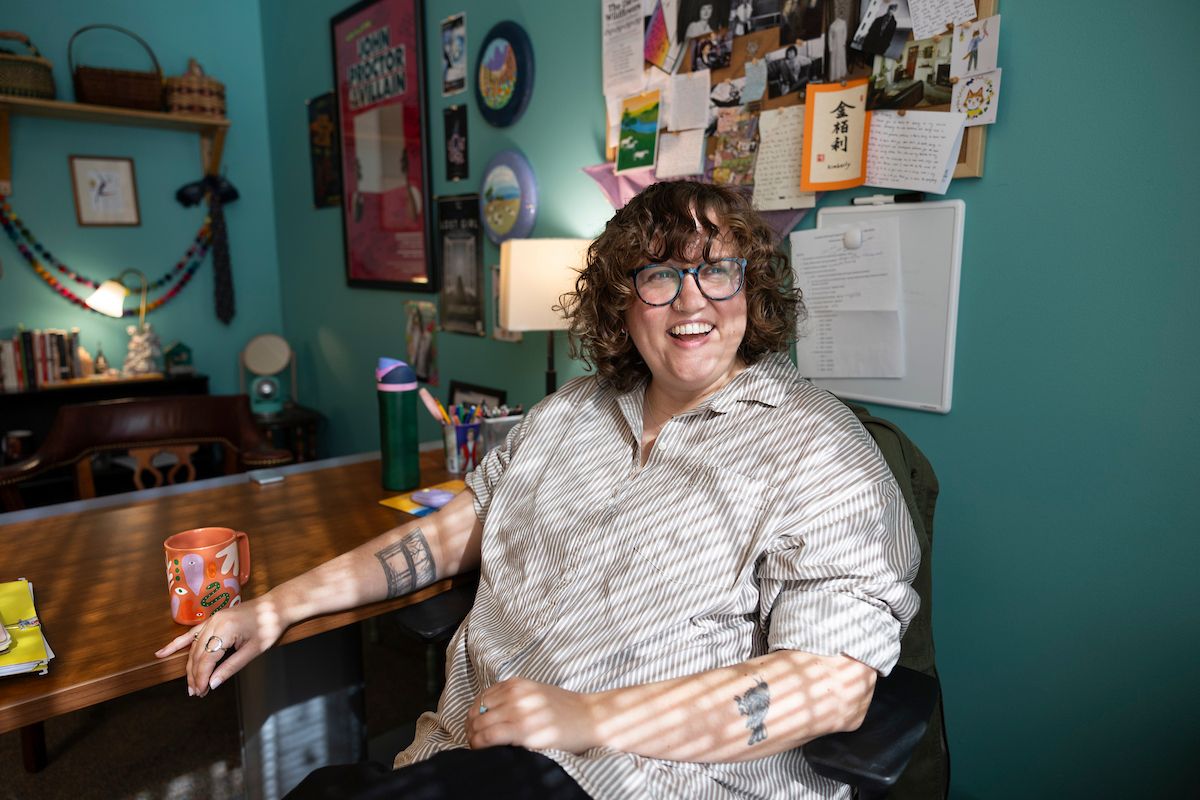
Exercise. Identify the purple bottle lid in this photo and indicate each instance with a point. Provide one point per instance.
(392, 375)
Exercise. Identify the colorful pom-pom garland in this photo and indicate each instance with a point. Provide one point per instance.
(32, 250)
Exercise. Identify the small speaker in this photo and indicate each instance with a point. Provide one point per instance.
(267, 357)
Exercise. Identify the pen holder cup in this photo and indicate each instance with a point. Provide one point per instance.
(463, 446)
(495, 430)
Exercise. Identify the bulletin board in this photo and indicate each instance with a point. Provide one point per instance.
(931, 236)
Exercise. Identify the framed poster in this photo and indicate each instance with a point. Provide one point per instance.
(461, 251)
(105, 191)
(323, 152)
(379, 80)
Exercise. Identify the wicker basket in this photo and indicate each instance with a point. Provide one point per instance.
(27, 76)
(195, 93)
(116, 87)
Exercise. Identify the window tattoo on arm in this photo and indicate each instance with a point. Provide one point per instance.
(753, 705)
(407, 563)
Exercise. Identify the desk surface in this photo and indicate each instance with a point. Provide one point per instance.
(101, 593)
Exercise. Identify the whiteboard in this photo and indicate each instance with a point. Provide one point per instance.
(931, 237)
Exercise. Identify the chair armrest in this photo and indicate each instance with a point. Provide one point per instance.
(873, 757)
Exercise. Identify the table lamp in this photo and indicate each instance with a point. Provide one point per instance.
(144, 354)
(534, 273)
(109, 297)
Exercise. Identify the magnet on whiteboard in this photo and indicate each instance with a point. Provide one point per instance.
(852, 238)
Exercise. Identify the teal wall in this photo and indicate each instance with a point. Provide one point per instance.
(338, 332)
(224, 36)
(1066, 548)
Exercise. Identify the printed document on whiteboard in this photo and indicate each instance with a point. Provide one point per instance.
(854, 327)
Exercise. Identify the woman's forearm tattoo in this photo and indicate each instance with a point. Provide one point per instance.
(408, 564)
(753, 705)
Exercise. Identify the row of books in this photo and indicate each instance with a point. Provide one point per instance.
(23, 648)
(36, 359)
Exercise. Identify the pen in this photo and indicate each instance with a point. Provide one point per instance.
(888, 199)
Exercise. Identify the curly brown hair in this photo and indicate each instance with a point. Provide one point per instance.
(657, 226)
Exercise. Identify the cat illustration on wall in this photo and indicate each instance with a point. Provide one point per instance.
(977, 97)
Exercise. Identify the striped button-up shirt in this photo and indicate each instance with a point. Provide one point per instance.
(764, 519)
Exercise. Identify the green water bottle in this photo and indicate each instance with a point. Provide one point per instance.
(396, 386)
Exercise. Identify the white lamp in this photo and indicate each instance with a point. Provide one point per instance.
(109, 297)
(534, 273)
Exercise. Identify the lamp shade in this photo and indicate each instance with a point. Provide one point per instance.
(534, 273)
(109, 298)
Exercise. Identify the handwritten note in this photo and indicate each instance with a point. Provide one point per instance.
(687, 101)
(915, 151)
(854, 328)
(622, 45)
(680, 154)
(835, 136)
(780, 151)
(930, 17)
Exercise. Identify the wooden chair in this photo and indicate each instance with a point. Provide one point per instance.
(144, 427)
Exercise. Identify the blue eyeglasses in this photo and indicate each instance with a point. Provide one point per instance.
(660, 284)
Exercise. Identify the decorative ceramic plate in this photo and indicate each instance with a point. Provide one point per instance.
(508, 196)
(505, 80)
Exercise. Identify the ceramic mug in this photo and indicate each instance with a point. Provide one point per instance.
(206, 569)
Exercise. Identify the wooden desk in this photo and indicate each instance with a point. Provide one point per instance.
(97, 570)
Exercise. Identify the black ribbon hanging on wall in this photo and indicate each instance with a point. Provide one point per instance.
(219, 192)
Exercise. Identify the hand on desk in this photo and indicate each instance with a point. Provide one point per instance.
(249, 629)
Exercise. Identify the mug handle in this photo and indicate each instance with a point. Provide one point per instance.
(243, 543)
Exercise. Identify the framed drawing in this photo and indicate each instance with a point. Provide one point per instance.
(379, 84)
(504, 82)
(508, 197)
(461, 251)
(105, 191)
(471, 394)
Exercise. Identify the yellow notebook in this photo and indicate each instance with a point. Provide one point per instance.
(27, 650)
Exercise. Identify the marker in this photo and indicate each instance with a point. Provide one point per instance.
(431, 405)
(888, 199)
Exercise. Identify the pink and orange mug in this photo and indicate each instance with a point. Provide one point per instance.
(206, 570)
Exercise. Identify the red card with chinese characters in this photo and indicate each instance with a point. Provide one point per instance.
(836, 128)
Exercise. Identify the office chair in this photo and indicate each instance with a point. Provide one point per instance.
(144, 428)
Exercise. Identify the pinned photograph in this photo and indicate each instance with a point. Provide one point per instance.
(977, 97)
(700, 18)
(801, 20)
(790, 68)
(919, 78)
(883, 28)
(711, 51)
(975, 47)
(638, 132)
(728, 94)
(454, 55)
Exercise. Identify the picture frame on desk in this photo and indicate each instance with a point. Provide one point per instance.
(380, 104)
(471, 394)
(105, 191)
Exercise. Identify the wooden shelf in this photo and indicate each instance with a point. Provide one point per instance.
(211, 130)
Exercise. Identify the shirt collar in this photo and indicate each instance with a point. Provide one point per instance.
(768, 382)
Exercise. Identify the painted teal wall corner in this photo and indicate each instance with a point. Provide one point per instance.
(1066, 534)
(224, 36)
(339, 332)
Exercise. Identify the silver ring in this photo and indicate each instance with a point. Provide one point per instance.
(482, 708)
(208, 648)
(195, 636)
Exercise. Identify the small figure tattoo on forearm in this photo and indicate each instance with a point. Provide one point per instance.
(407, 563)
(753, 705)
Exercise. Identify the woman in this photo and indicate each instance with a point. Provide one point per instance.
(691, 562)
